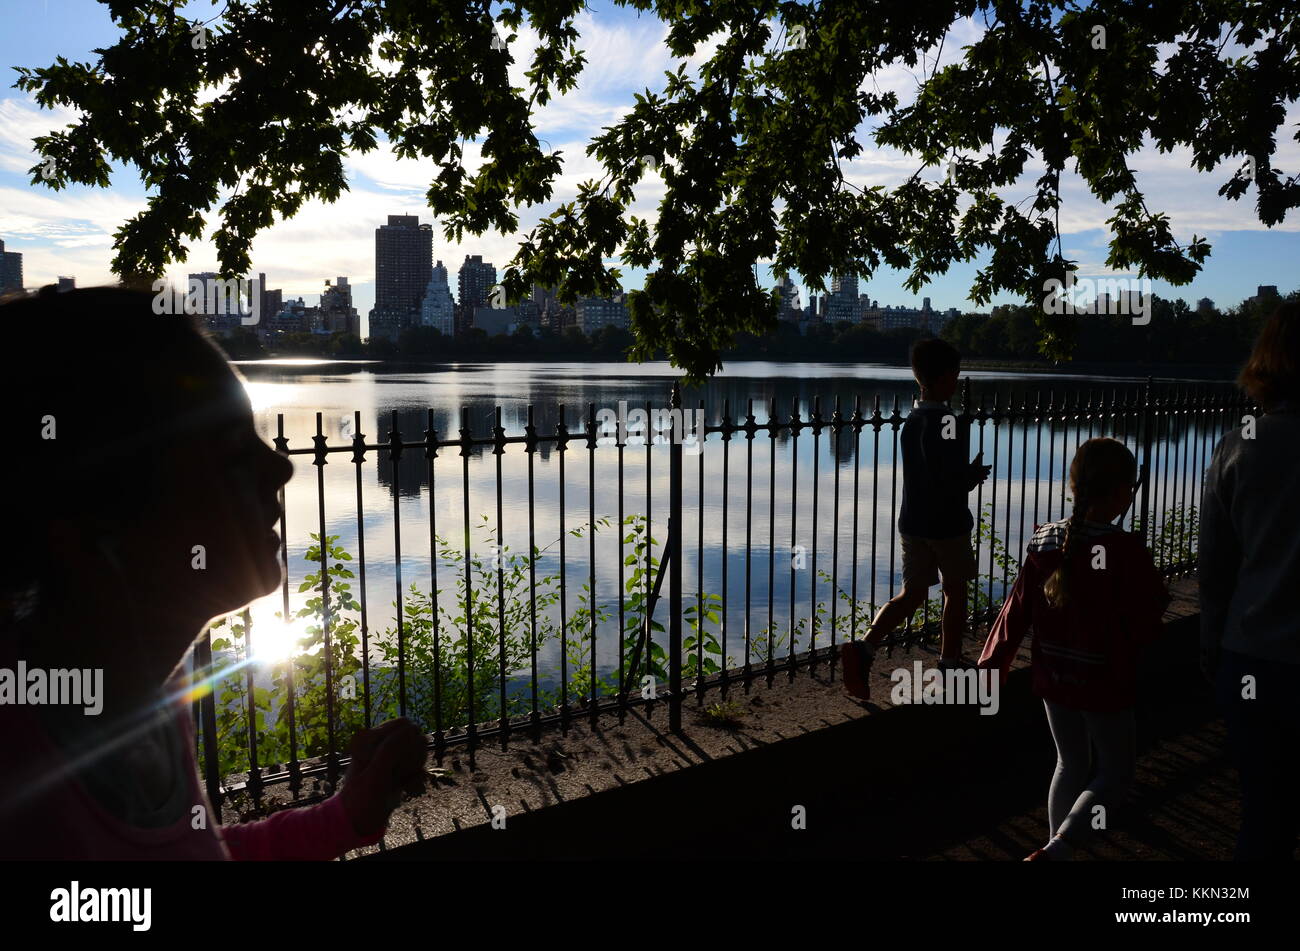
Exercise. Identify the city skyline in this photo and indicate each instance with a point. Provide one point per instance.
(71, 231)
(845, 297)
(335, 310)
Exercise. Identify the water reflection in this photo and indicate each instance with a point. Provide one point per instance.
(778, 497)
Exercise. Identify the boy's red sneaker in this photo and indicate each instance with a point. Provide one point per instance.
(853, 658)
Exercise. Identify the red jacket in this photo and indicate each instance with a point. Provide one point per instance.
(1084, 656)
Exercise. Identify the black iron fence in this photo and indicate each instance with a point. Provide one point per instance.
(466, 661)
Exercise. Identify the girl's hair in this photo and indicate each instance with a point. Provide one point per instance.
(96, 384)
(1272, 373)
(1100, 466)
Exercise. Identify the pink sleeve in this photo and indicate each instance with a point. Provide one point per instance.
(1008, 631)
(316, 833)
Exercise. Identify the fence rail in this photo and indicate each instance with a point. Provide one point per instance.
(463, 640)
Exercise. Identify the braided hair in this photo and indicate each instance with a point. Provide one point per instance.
(1099, 467)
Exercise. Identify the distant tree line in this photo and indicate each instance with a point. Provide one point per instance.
(842, 341)
(1175, 334)
(525, 343)
(429, 343)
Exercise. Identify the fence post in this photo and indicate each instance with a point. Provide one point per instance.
(1145, 470)
(204, 678)
(674, 556)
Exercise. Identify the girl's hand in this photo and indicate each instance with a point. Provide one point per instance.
(385, 762)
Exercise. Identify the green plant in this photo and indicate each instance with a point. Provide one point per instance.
(1176, 536)
(454, 644)
(728, 714)
(460, 643)
(306, 669)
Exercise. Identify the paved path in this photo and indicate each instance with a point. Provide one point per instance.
(911, 782)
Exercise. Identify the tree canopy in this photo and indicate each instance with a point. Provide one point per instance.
(250, 115)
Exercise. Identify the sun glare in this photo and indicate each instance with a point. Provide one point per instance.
(262, 394)
(274, 640)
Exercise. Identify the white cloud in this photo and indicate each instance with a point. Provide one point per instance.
(21, 121)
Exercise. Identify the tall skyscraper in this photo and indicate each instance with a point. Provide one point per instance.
(271, 302)
(474, 284)
(546, 306)
(336, 311)
(11, 270)
(403, 264)
(789, 308)
(842, 302)
(846, 285)
(438, 309)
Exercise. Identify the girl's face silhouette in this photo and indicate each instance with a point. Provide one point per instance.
(208, 544)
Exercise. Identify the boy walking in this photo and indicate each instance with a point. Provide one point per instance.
(934, 522)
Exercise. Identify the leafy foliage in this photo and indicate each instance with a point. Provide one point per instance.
(1174, 541)
(457, 646)
(313, 704)
(257, 118)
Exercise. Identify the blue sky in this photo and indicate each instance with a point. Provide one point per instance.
(70, 232)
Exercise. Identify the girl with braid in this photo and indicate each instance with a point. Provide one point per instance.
(1093, 597)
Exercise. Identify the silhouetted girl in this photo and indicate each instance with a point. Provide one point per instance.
(1092, 596)
(131, 442)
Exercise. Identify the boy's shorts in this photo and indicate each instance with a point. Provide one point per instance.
(924, 559)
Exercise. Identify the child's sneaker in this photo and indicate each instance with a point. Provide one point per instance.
(856, 658)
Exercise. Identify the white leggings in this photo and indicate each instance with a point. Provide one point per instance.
(1073, 801)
